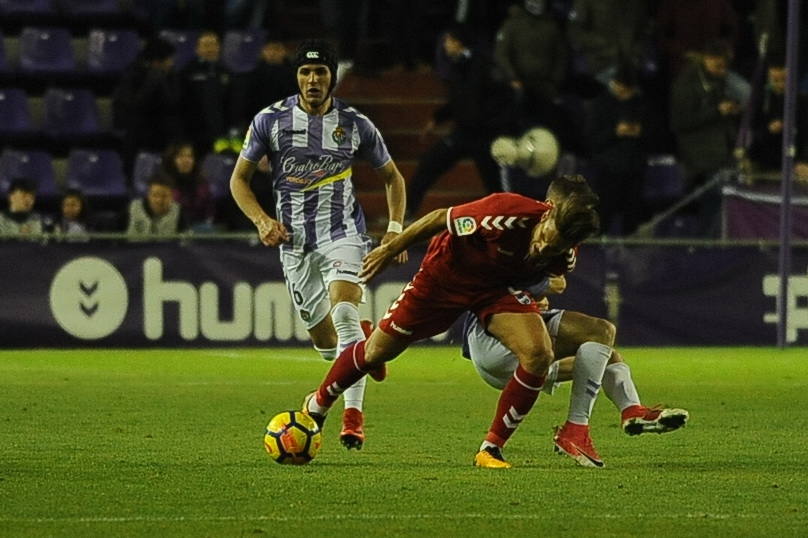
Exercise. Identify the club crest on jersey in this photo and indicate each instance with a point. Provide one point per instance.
(338, 135)
(465, 225)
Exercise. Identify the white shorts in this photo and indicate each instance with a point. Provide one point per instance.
(493, 361)
(309, 274)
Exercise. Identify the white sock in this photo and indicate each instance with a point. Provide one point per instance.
(328, 353)
(488, 444)
(619, 387)
(550, 381)
(590, 362)
(346, 321)
(355, 394)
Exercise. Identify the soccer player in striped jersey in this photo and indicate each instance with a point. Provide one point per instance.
(311, 140)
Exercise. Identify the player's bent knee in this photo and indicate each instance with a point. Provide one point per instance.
(603, 332)
(536, 361)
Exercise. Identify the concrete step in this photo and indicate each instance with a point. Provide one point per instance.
(374, 205)
(389, 114)
(401, 85)
(406, 144)
(463, 178)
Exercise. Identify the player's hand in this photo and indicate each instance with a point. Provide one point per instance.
(543, 304)
(402, 257)
(271, 232)
(375, 262)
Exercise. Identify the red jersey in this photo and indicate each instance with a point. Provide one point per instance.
(486, 244)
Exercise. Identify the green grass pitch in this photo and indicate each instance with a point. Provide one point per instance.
(169, 443)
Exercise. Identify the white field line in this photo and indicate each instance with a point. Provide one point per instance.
(367, 517)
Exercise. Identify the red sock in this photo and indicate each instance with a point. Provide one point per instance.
(515, 402)
(346, 370)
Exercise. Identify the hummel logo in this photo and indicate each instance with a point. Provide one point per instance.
(400, 329)
(500, 222)
(88, 290)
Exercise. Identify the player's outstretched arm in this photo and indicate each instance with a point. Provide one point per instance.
(420, 230)
(271, 232)
(395, 191)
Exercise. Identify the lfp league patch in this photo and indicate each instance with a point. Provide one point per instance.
(465, 225)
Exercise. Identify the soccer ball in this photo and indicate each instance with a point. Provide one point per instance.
(535, 152)
(292, 437)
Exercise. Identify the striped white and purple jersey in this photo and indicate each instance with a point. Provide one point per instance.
(311, 158)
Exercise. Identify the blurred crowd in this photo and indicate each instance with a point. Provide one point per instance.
(624, 85)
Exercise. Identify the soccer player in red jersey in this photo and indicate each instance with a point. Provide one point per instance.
(484, 252)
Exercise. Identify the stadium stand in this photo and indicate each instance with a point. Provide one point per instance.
(70, 113)
(81, 8)
(34, 165)
(216, 168)
(15, 116)
(146, 165)
(97, 173)
(27, 7)
(241, 49)
(185, 43)
(111, 51)
(46, 50)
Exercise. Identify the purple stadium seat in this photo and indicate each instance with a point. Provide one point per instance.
(111, 51)
(185, 43)
(34, 165)
(217, 168)
(96, 172)
(146, 165)
(3, 61)
(15, 117)
(27, 7)
(46, 50)
(664, 179)
(70, 112)
(90, 7)
(242, 49)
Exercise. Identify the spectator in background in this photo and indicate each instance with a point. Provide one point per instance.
(206, 106)
(704, 120)
(73, 220)
(146, 103)
(766, 151)
(532, 54)
(605, 32)
(687, 26)
(273, 78)
(157, 214)
(20, 217)
(621, 128)
(480, 105)
(180, 169)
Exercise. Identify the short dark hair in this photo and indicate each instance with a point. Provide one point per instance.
(160, 179)
(22, 184)
(576, 218)
(567, 184)
(717, 47)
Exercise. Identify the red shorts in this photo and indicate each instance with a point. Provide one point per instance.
(426, 308)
